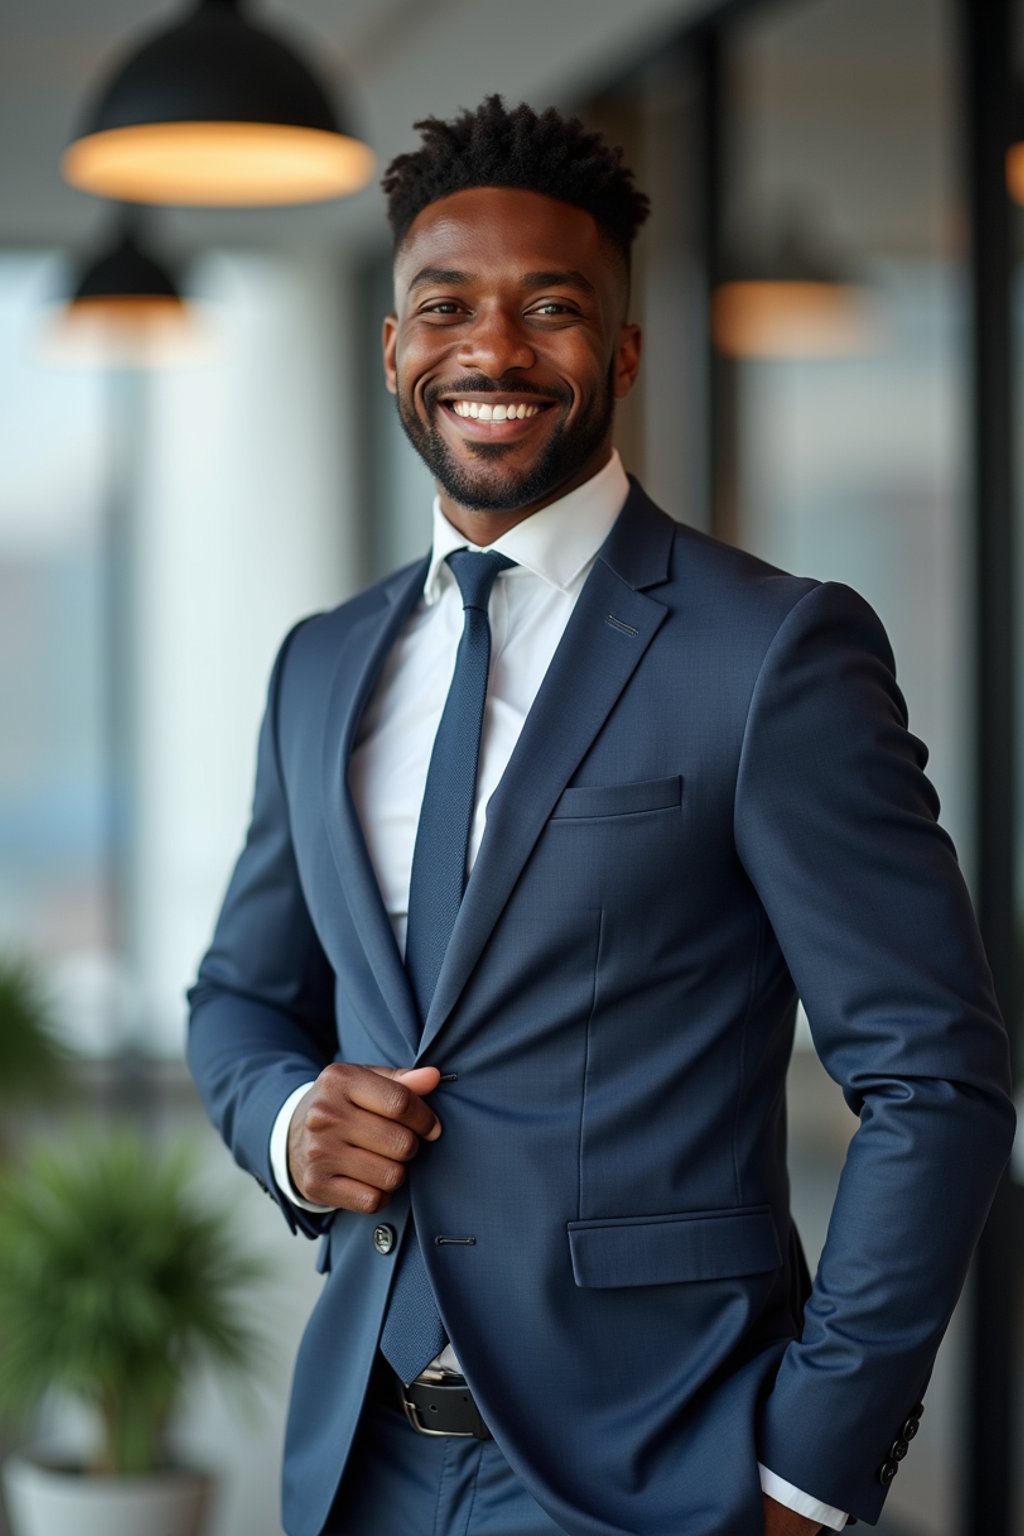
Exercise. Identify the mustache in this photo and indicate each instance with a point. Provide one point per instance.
(480, 384)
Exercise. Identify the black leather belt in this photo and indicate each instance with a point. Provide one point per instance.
(443, 1407)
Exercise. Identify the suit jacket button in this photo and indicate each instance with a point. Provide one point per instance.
(383, 1238)
(898, 1450)
(909, 1429)
(886, 1472)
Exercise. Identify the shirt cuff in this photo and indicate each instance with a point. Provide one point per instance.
(801, 1503)
(279, 1153)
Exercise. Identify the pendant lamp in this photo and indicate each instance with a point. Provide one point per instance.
(215, 111)
(126, 309)
(790, 302)
(1015, 166)
(127, 273)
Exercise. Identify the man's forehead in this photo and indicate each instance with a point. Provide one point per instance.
(518, 227)
(501, 212)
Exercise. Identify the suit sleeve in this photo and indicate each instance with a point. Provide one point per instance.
(836, 826)
(262, 1009)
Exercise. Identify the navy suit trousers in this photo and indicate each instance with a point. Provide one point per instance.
(399, 1483)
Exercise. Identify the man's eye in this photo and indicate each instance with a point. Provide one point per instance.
(441, 307)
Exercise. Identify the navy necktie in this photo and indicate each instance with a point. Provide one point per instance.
(413, 1333)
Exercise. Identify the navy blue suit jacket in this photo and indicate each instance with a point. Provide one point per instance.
(714, 806)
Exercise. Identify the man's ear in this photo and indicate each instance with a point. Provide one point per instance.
(627, 360)
(388, 341)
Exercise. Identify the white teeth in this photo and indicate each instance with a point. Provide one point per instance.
(477, 412)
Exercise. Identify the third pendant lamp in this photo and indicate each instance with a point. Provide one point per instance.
(789, 301)
(216, 111)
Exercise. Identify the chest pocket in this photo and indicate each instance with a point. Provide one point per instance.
(596, 800)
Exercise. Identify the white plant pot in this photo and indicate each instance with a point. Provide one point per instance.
(45, 1499)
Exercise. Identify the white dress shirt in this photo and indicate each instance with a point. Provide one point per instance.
(530, 606)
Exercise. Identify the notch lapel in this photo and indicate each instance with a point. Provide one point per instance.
(611, 627)
(370, 640)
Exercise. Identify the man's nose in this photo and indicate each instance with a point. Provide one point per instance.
(495, 344)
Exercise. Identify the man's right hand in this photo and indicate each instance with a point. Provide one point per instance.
(352, 1135)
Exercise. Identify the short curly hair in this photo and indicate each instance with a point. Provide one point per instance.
(496, 146)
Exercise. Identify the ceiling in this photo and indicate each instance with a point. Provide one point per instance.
(397, 59)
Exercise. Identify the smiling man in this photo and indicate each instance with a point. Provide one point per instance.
(550, 831)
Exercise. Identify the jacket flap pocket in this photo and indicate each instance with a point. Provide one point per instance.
(620, 799)
(661, 1250)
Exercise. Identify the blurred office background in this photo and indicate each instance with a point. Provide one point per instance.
(161, 528)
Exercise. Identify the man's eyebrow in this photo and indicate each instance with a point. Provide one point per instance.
(448, 275)
(567, 279)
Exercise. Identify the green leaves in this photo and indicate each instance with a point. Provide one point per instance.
(114, 1283)
(31, 1062)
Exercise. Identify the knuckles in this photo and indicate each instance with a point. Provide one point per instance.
(404, 1144)
(369, 1200)
(320, 1116)
(396, 1099)
(392, 1176)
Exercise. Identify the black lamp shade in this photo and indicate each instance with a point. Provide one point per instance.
(215, 110)
(126, 271)
(125, 310)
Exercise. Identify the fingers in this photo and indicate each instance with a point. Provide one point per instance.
(396, 1094)
(355, 1130)
(350, 1195)
(419, 1080)
(385, 1138)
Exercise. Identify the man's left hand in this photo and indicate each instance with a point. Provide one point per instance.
(780, 1521)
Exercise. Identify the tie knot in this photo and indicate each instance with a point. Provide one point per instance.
(476, 572)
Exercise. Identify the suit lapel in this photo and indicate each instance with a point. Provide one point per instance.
(611, 627)
(369, 641)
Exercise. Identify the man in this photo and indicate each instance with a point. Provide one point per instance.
(547, 1153)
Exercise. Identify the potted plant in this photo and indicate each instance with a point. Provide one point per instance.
(114, 1284)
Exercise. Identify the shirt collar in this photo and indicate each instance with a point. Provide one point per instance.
(555, 543)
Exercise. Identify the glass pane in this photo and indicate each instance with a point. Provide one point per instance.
(661, 429)
(56, 812)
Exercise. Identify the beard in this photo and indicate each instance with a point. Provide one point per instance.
(489, 485)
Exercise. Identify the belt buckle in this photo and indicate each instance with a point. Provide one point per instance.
(412, 1413)
(431, 1378)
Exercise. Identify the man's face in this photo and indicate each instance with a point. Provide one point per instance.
(507, 349)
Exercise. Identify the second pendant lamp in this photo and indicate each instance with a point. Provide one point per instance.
(215, 111)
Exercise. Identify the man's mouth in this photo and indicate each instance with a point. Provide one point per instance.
(477, 410)
(495, 416)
